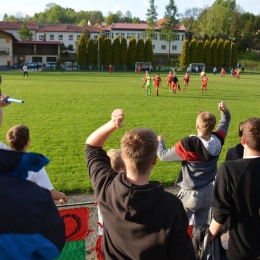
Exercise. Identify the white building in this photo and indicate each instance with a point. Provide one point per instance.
(69, 35)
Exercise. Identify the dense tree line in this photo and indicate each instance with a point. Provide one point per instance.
(217, 53)
(56, 14)
(116, 53)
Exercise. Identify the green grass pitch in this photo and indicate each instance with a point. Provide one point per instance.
(62, 109)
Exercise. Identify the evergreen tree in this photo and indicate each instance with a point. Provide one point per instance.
(81, 51)
(116, 50)
(170, 24)
(132, 51)
(207, 53)
(185, 54)
(99, 50)
(25, 33)
(91, 57)
(107, 48)
(221, 53)
(140, 55)
(214, 53)
(200, 52)
(151, 16)
(124, 53)
(148, 49)
(226, 53)
(234, 57)
(193, 51)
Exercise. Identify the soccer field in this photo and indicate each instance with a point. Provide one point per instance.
(62, 109)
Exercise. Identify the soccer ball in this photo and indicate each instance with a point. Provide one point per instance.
(142, 78)
(134, 81)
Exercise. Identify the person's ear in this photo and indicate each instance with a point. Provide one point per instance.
(243, 142)
(154, 159)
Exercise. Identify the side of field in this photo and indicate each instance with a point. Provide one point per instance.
(62, 109)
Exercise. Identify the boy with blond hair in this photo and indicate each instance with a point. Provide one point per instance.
(141, 220)
(116, 160)
(18, 138)
(198, 155)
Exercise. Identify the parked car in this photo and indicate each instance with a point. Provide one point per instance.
(50, 64)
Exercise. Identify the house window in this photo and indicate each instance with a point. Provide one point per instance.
(51, 37)
(70, 37)
(78, 36)
(153, 47)
(154, 36)
(163, 37)
(174, 47)
(41, 37)
(60, 37)
(163, 47)
(182, 37)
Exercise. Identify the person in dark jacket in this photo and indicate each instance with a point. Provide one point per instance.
(30, 226)
(236, 152)
(236, 194)
(141, 220)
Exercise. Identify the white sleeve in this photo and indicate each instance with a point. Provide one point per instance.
(3, 146)
(41, 178)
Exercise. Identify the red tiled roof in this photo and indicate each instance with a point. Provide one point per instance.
(40, 42)
(132, 26)
(18, 25)
(97, 29)
(61, 28)
(9, 34)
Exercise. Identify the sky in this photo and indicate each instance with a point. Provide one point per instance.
(137, 8)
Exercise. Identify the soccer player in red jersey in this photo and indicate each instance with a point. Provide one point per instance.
(169, 79)
(223, 72)
(157, 82)
(186, 80)
(204, 84)
(139, 69)
(175, 83)
(110, 68)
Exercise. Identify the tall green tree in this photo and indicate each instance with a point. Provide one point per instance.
(132, 51)
(170, 25)
(200, 52)
(25, 33)
(226, 53)
(214, 53)
(185, 54)
(82, 51)
(151, 17)
(193, 51)
(221, 58)
(91, 57)
(140, 55)
(116, 50)
(207, 53)
(107, 47)
(124, 52)
(234, 56)
(112, 18)
(148, 48)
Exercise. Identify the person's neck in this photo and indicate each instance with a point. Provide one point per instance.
(136, 179)
(250, 152)
(204, 136)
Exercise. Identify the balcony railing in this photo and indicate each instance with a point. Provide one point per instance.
(4, 51)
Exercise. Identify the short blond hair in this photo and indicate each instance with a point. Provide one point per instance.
(18, 137)
(140, 147)
(206, 122)
(115, 159)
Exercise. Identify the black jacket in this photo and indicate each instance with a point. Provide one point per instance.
(140, 222)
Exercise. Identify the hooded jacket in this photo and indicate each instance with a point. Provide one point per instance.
(30, 227)
(140, 222)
